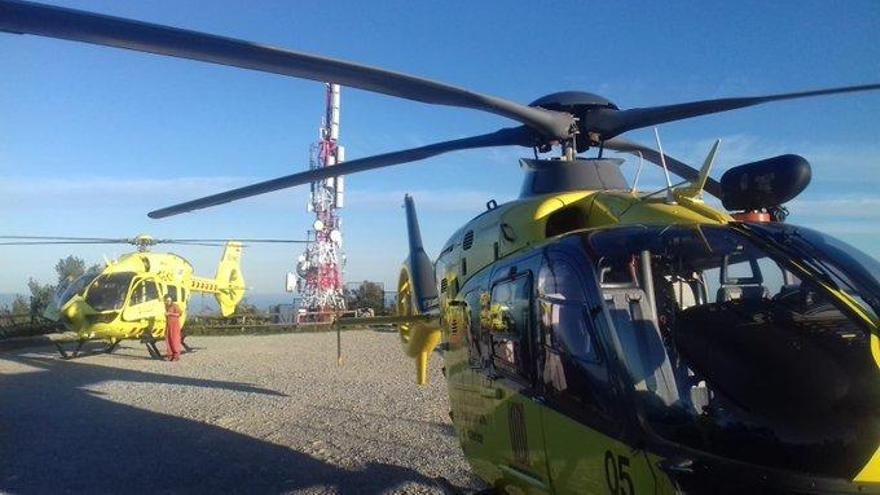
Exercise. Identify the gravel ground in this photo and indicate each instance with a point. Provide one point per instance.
(241, 414)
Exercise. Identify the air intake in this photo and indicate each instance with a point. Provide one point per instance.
(468, 240)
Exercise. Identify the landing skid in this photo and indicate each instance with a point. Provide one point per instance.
(186, 348)
(108, 349)
(148, 340)
(74, 354)
(111, 346)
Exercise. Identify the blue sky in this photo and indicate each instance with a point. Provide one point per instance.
(92, 138)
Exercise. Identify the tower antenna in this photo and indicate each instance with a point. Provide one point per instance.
(320, 268)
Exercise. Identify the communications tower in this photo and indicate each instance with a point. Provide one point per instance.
(319, 269)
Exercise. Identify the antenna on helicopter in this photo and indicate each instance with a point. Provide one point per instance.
(695, 190)
(706, 168)
(669, 196)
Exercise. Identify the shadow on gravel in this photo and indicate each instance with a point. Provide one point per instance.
(444, 428)
(56, 436)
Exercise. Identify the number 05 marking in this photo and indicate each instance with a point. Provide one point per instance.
(616, 474)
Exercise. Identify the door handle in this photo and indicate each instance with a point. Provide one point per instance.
(492, 393)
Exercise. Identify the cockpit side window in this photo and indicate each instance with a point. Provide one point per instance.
(562, 299)
(144, 291)
(572, 370)
(172, 291)
(507, 321)
(151, 292)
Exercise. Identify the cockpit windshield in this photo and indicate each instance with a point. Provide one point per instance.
(735, 350)
(851, 270)
(108, 292)
(76, 287)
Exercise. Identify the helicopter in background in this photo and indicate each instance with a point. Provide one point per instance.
(124, 299)
(599, 339)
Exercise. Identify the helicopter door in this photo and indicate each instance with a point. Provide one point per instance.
(581, 421)
(509, 332)
(144, 304)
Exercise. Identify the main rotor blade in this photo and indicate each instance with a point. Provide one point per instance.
(504, 137)
(609, 122)
(46, 243)
(76, 25)
(252, 241)
(678, 168)
(36, 240)
(204, 244)
(103, 240)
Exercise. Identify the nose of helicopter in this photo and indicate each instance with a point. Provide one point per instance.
(73, 313)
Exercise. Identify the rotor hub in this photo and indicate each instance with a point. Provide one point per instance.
(574, 102)
(143, 242)
(578, 104)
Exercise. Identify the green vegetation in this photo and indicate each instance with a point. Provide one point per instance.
(26, 314)
(367, 295)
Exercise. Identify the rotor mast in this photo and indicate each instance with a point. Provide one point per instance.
(319, 269)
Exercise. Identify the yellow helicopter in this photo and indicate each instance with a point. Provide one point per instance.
(599, 339)
(124, 299)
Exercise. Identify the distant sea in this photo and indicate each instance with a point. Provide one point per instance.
(6, 299)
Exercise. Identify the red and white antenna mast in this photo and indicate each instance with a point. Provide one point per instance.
(319, 269)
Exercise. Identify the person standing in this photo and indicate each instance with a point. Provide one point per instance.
(172, 329)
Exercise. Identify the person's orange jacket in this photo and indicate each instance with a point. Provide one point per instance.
(172, 317)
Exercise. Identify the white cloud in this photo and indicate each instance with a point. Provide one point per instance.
(830, 162)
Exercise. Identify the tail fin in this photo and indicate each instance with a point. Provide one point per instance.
(423, 285)
(230, 281)
(417, 296)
